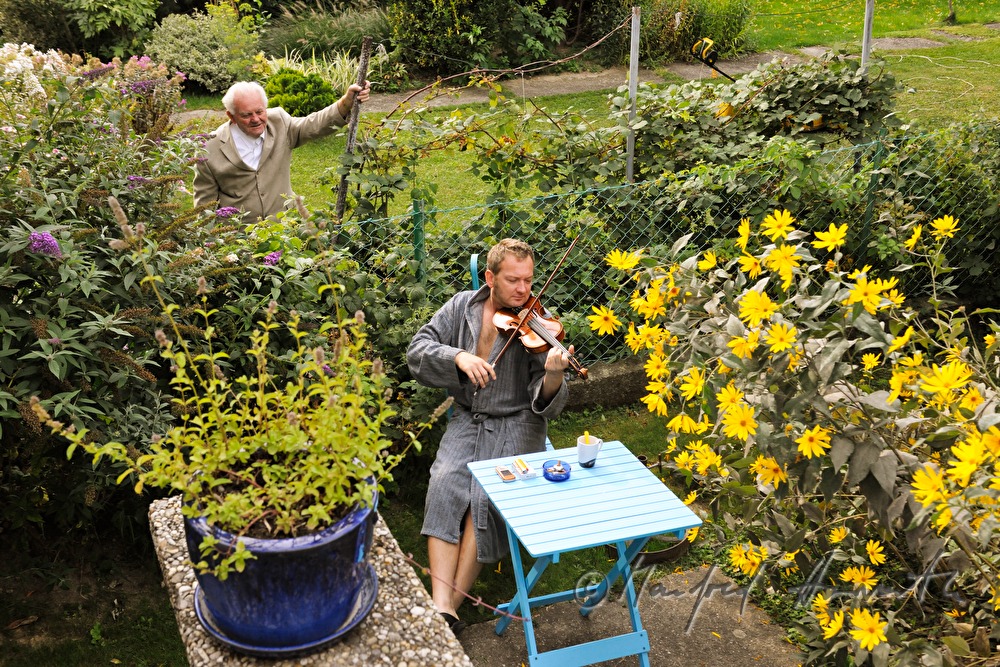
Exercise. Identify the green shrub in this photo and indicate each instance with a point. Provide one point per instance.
(112, 27)
(340, 69)
(105, 28)
(214, 49)
(38, 23)
(671, 27)
(299, 94)
(325, 28)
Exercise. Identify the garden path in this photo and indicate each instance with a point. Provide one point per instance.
(575, 82)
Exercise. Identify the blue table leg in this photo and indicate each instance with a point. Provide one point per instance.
(521, 605)
(621, 569)
(634, 643)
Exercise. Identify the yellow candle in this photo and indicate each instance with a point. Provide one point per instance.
(586, 437)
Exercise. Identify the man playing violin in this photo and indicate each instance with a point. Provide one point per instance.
(501, 409)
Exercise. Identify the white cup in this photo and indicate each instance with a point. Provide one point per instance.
(587, 448)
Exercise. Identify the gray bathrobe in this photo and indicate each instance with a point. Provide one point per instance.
(506, 418)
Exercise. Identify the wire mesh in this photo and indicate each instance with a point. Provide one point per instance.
(881, 189)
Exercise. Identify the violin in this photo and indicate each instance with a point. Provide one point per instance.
(538, 330)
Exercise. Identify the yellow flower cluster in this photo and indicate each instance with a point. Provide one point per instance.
(747, 558)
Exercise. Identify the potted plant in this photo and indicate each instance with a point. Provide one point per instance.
(278, 467)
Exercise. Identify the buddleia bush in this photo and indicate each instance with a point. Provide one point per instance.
(214, 49)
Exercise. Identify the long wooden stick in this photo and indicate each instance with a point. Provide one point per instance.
(352, 125)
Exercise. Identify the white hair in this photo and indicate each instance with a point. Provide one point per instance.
(242, 88)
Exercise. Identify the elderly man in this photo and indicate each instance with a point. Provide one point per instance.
(248, 165)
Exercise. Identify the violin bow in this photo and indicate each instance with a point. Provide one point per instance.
(526, 311)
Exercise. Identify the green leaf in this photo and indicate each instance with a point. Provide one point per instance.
(826, 361)
(957, 645)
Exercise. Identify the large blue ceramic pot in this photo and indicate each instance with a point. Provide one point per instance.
(295, 591)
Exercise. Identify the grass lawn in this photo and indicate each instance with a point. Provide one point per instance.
(786, 24)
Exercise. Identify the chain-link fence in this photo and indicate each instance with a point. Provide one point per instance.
(880, 189)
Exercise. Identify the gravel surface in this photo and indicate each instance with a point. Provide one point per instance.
(402, 629)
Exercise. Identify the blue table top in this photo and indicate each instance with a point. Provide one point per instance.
(618, 499)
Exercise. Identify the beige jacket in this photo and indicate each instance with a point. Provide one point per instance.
(224, 178)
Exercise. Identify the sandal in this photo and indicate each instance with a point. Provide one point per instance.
(454, 622)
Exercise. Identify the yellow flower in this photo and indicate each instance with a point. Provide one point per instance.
(834, 625)
(744, 234)
(690, 498)
(814, 442)
(821, 607)
(683, 461)
(838, 535)
(866, 293)
(655, 403)
(781, 336)
(949, 377)
(747, 558)
(894, 297)
(989, 339)
(871, 360)
(692, 534)
(623, 261)
(875, 552)
(708, 262)
(652, 304)
(693, 383)
(750, 265)
(777, 225)
(633, 340)
(900, 341)
(656, 366)
(755, 307)
(928, 485)
(860, 576)
(863, 271)
(768, 470)
(831, 239)
(739, 422)
(971, 399)
(744, 347)
(914, 237)
(868, 628)
(970, 456)
(649, 335)
(783, 260)
(682, 423)
(944, 227)
(899, 383)
(728, 396)
(603, 321)
(912, 361)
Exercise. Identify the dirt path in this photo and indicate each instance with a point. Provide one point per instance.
(575, 82)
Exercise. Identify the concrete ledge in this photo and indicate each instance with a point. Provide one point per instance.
(402, 630)
(609, 385)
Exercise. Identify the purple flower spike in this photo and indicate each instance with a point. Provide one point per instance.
(44, 243)
(226, 212)
(272, 258)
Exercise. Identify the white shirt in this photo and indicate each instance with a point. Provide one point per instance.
(249, 148)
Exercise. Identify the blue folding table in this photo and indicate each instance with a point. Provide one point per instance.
(618, 501)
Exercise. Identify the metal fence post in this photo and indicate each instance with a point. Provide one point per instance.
(419, 249)
(633, 85)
